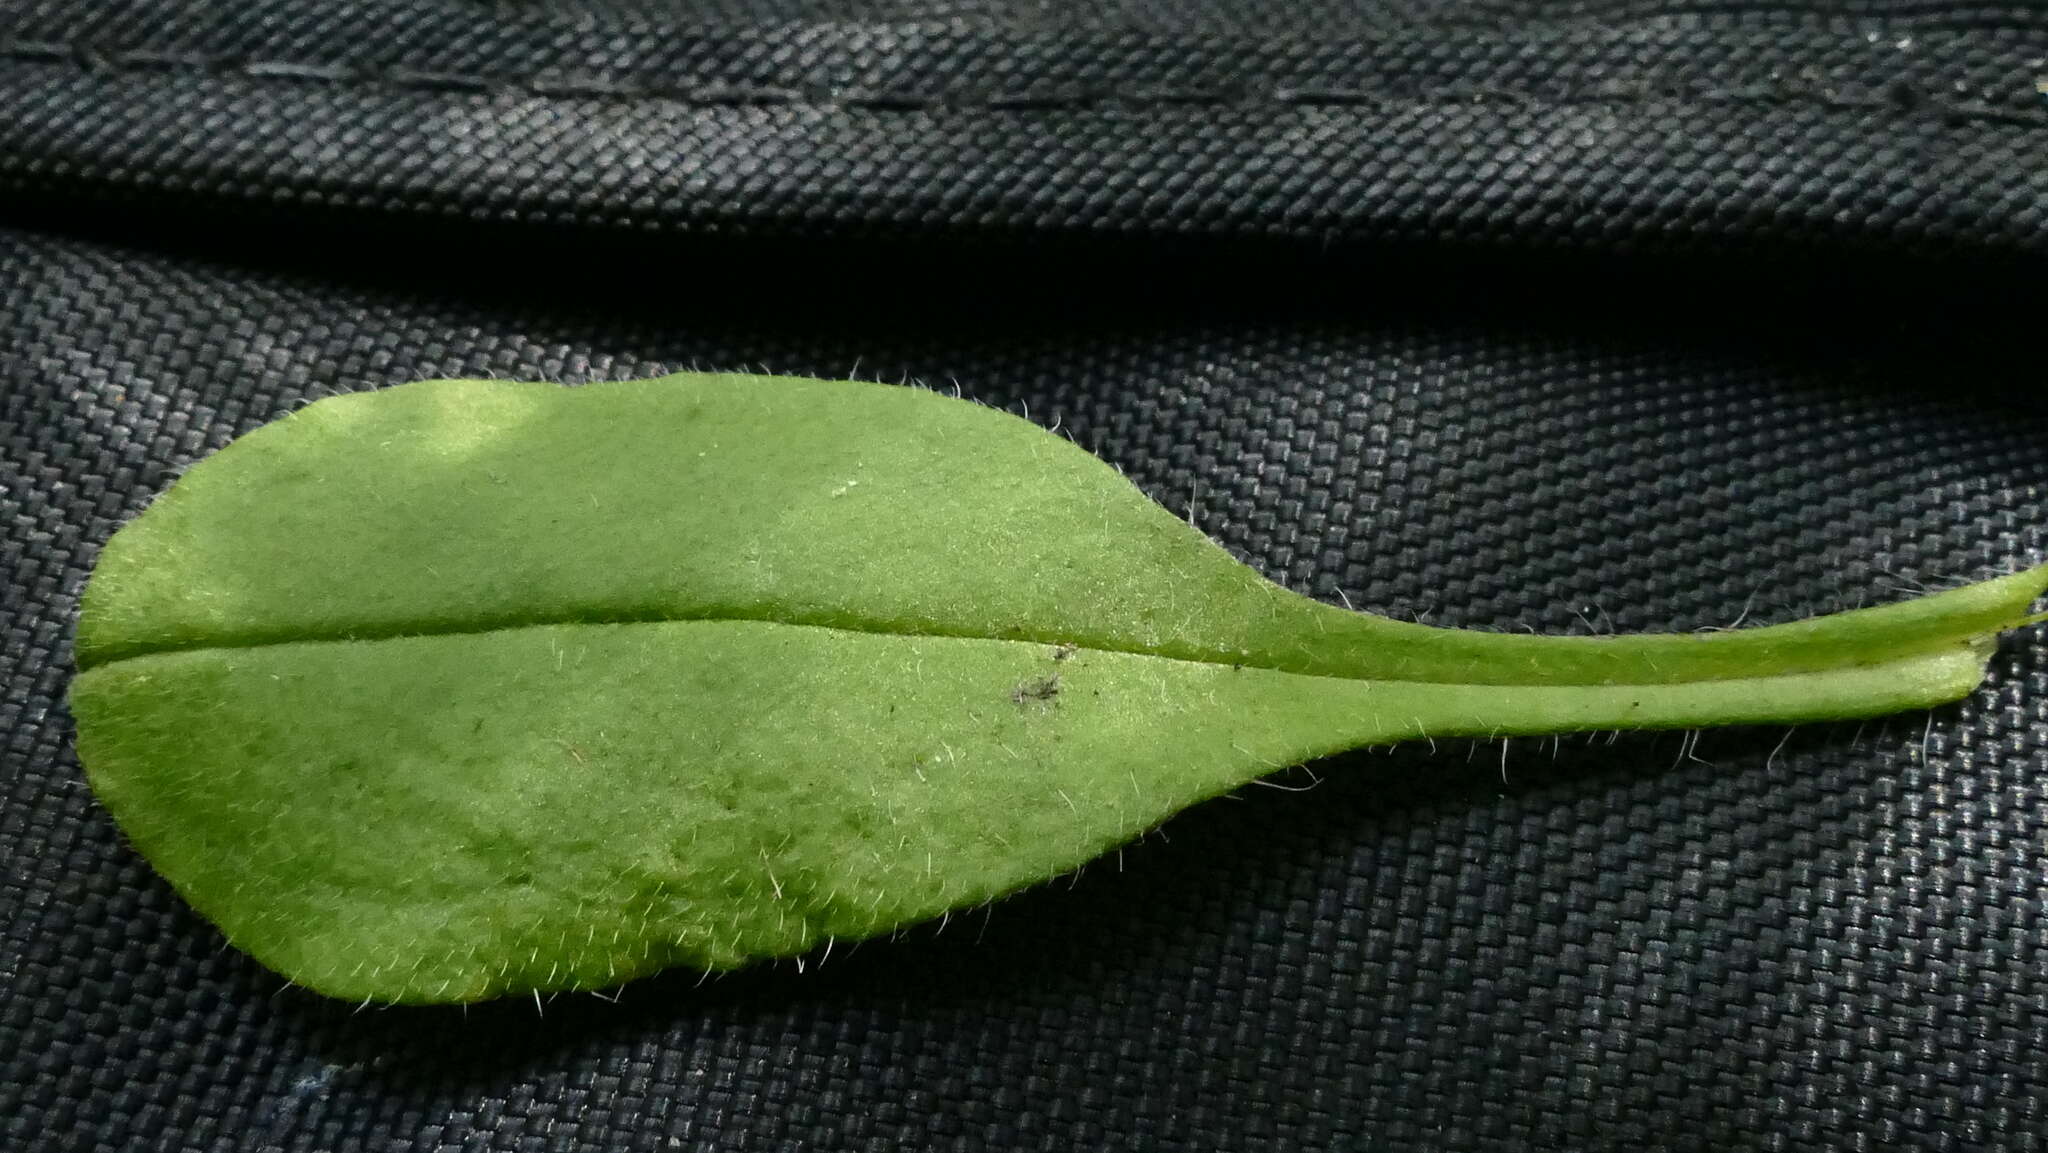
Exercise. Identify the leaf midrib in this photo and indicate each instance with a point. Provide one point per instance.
(374, 636)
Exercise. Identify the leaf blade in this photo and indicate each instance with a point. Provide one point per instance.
(650, 643)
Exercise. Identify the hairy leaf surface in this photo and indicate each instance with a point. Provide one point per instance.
(464, 688)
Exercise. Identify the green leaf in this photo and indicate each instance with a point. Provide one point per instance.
(465, 688)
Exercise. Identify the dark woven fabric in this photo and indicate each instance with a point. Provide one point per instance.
(1565, 317)
(1647, 124)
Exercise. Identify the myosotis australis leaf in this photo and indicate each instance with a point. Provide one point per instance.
(465, 688)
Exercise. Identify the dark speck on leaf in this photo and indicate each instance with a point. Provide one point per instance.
(1042, 689)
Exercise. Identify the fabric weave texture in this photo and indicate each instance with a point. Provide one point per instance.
(1598, 316)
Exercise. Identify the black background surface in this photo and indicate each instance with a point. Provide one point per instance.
(1566, 317)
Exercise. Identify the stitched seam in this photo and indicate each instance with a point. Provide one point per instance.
(2024, 107)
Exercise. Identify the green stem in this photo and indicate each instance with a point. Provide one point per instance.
(1862, 663)
(1367, 647)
